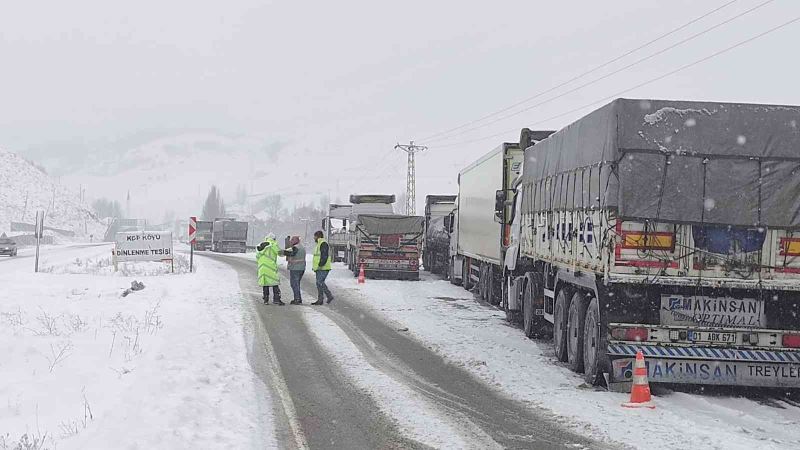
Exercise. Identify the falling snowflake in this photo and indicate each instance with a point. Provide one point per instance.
(709, 204)
(690, 122)
(741, 140)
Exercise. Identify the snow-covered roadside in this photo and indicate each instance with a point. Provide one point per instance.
(414, 415)
(164, 367)
(448, 320)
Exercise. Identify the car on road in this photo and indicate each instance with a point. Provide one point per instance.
(8, 247)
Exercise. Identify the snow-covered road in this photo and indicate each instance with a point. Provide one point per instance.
(165, 367)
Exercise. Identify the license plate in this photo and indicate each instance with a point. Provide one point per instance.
(712, 337)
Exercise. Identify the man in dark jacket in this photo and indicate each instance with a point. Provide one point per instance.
(322, 266)
(296, 263)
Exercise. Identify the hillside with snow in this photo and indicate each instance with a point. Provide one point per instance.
(25, 188)
(170, 176)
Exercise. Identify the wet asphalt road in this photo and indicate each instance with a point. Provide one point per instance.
(316, 406)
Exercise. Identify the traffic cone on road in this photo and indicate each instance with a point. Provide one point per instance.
(361, 277)
(640, 391)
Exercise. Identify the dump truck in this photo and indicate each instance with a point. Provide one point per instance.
(666, 227)
(436, 245)
(229, 236)
(335, 226)
(477, 233)
(387, 246)
(203, 235)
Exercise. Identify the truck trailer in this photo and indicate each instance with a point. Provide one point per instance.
(477, 231)
(667, 227)
(387, 246)
(203, 235)
(335, 226)
(229, 236)
(436, 245)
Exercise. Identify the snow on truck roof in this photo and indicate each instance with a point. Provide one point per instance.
(653, 159)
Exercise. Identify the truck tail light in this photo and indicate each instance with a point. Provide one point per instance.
(648, 241)
(638, 334)
(790, 247)
(791, 340)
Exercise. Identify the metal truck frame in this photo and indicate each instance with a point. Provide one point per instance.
(203, 235)
(667, 227)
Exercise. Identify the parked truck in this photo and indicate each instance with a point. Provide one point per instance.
(229, 236)
(335, 226)
(669, 227)
(436, 245)
(478, 234)
(385, 244)
(203, 235)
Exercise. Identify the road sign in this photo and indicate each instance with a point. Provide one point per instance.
(192, 229)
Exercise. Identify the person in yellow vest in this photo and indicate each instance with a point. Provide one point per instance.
(267, 258)
(321, 266)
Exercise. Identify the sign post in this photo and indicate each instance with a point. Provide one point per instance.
(38, 229)
(192, 240)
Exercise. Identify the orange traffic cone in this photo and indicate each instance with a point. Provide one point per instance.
(361, 277)
(640, 391)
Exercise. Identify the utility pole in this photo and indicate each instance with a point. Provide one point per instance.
(411, 178)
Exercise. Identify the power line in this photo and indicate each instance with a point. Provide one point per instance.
(605, 64)
(608, 75)
(645, 83)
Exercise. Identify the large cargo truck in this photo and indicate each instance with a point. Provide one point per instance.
(229, 236)
(478, 232)
(387, 246)
(335, 226)
(203, 235)
(669, 227)
(436, 245)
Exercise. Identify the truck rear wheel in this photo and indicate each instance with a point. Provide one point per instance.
(560, 324)
(466, 276)
(576, 321)
(451, 269)
(532, 324)
(490, 286)
(594, 346)
(510, 290)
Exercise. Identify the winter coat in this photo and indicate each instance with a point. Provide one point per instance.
(296, 258)
(267, 258)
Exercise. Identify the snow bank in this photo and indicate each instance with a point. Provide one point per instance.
(164, 367)
(449, 320)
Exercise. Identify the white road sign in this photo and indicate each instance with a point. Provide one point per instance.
(143, 246)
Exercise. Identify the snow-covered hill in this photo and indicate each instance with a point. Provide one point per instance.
(171, 175)
(24, 189)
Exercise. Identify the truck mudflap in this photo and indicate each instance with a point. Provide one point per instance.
(707, 365)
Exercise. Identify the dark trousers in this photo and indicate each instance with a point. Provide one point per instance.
(294, 279)
(322, 288)
(276, 290)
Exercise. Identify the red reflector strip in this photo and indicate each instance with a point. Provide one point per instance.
(791, 340)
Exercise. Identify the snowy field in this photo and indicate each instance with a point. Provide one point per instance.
(448, 320)
(163, 367)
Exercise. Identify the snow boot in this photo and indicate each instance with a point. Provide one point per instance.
(278, 302)
(296, 302)
(330, 300)
(318, 302)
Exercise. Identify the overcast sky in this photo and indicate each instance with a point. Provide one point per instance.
(358, 76)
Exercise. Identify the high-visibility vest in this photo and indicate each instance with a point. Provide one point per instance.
(268, 264)
(317, 253)
(298, 261)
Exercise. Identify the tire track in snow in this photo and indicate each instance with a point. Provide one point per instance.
(420, 418)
